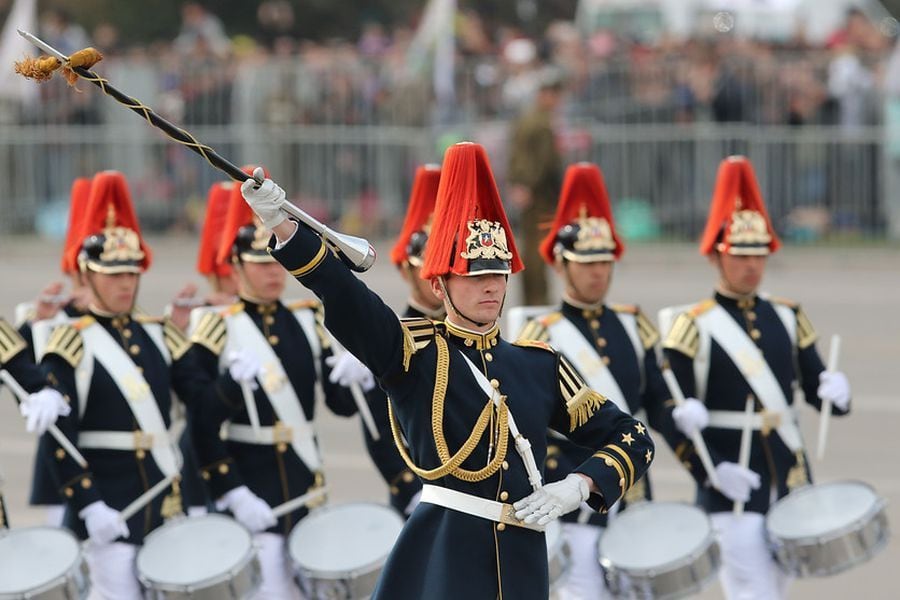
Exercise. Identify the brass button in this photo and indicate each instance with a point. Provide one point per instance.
(69, 492)
(755, 334)
(134, 349)
(59, 454)
(488, 356)
(269, 320)
(501, 526)
(606, 360)
(407, 477)
(468, 342)
(273, 340)
(495, 384)
(395, 490)
(586, 314)
(751, 315)
(205, 475)
(140, 454)
(505, 466)
(86, 483)
(595, 324)
(223, 469)
(493, 342)
(281, 447)
(126, 333)
(601, 342)
(552, 463)
(504, 495)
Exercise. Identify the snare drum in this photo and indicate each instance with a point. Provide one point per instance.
(827, 528)
(659, 550)
(339, 551)
(41, 562)
(202, 558)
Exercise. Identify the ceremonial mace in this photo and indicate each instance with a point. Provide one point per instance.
(357, 253)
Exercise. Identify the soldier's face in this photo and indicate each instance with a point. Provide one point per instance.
(114, 293)
(479, 297)
(420, 289)
(586, 282)
(740, 274)
(263, 281)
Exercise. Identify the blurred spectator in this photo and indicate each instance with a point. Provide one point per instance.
(199, 24)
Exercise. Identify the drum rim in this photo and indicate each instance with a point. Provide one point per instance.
(60, 579)
(704, 548)
(343, 573)
(877, 508)
(203, 583)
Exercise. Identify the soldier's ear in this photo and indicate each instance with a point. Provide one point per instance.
(437, 289)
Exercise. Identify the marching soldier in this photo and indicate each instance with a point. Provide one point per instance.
(272, 359)
(118, 367)
(611, 346)
(49, 310)
(403, 485)
(467, 401)
(741, 344)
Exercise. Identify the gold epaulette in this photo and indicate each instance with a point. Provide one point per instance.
(702, 306)
(684, 336)
(66, 342)
(550, 319)
(232, 309)
(581, 401)
(806, 333)
(176, 341)
(526, 343)
(784, 301)
(646, 329)
(211, 332)
(418, 332)
(307, 303)
(319, 310)
(534, 330)
(11, 343)
(145, 319)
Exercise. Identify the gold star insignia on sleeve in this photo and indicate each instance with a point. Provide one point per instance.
(649, 456)
(640, 428)
(627, 439)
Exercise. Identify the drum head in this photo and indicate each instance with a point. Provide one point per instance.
(820, 509)
(337, 541)
(655, 534)
(35, 556)
(194, 550)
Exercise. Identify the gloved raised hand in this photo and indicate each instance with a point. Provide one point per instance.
(265, 199)
(833, 386)
(41, 409)
(736, 482)
(690, 416)
(250, 510)
(553, 500)
(104, 524)
(346, 369)
(244, 366)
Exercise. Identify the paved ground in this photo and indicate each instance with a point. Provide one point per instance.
(854, 292)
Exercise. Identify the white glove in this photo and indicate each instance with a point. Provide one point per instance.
(42, 408)
(104, 524)
(735, 482)
(244, 366)
(266, 200)
(691, 416)
(250, 510)
(346, 369)
(833, 386)
(553, 500)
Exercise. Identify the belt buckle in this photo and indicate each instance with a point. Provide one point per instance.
(142, 440)
(771, 420)
(282, 434)
(508, 516)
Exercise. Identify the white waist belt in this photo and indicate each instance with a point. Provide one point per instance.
(121, 440)
(498, 512)
(732, 419)
(266, 436)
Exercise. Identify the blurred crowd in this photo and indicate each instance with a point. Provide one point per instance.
(203, 76)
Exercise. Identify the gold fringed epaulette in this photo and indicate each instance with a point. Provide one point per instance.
(581, 401)
(784, 301)
(630, 309)
(319, 312)
(417, 334)
(211, 333)
(534, 330)
(550, 319)
(701, 307)
(66, 342)
(175, 340)
(646, 329)
(806, 333)
(526, 343)
(302, 304)
(684, 336)
(11, 343)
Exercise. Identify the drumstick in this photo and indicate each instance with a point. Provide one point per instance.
(58, 435)
(364, 412)
(696, 437)
(744, 452)
(825, 412)
(292, 505)
(250, 403)
(145, 498)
